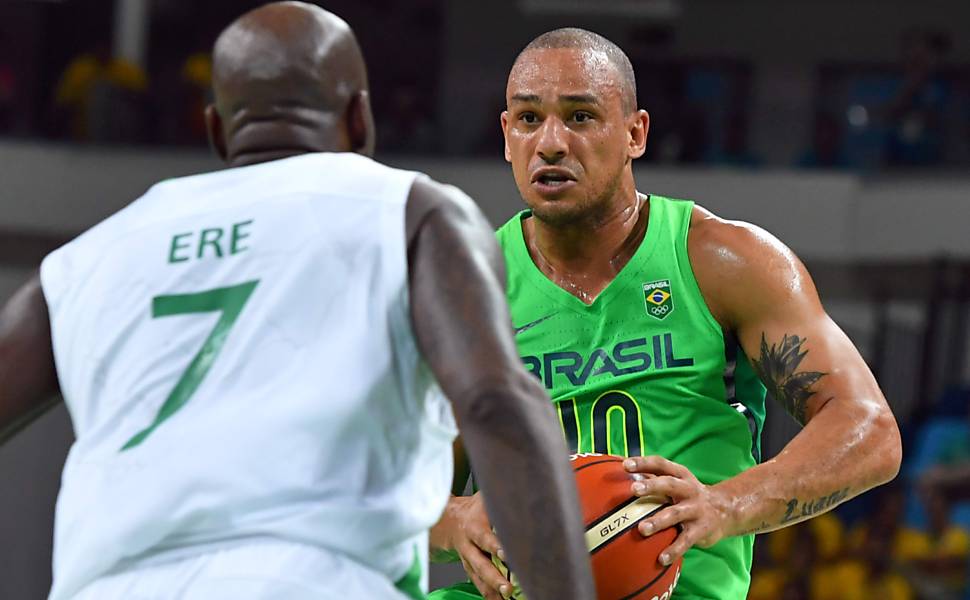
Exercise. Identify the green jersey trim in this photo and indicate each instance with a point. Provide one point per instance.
(687, 269)
(627, 277)
(410, 584)
(737, 368)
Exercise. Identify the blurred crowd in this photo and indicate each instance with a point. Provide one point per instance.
(913, 113)
(908, 540)
(104, 99)
(71, 83)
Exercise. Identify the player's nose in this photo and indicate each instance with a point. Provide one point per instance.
(552, 144)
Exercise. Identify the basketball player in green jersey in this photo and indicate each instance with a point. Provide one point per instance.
(656, 327)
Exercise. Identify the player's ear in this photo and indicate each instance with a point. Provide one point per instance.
(217, 137)
(505, 134)
(360, 124)
(639, 128)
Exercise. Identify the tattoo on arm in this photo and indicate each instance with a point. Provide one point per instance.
(759, 529)
(777, 368)
(799, 509)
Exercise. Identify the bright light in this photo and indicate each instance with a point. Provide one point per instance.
(858, 116)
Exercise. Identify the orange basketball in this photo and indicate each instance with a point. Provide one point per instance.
(625, 563)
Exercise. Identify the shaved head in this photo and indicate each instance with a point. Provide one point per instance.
(587, 41)
(284, 73)
(572, 128)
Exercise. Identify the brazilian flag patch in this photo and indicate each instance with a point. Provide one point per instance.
(659, 300)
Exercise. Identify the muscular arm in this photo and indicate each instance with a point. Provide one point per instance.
(27, 376)
(463, 328)
(850, 441)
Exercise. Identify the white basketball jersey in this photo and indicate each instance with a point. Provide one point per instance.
(236, 355)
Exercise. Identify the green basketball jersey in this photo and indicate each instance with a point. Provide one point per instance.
(646, 369)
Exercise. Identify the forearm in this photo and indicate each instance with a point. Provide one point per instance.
(520, 461)
(28, 381)
(846, 449)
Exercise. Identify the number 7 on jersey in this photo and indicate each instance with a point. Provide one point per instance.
(230, 302)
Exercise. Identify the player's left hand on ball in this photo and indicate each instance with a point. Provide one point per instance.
(470, 534)
(699, 509)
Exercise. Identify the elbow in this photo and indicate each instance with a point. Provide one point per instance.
(887, 446)
(499, 403)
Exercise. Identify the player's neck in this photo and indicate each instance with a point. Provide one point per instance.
(281, 141)
(255, 158)
(583, 258)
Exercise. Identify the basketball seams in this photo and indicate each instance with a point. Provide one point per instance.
(598, 462)
(646, 587)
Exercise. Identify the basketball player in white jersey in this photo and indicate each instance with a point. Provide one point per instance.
(250, 360)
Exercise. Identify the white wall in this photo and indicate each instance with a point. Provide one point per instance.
(65, 189)
(827, 216)
(903, 217)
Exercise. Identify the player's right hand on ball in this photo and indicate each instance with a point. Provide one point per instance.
(464, 528)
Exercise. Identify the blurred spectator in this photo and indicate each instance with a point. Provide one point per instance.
(802, 559)
(796, 589)
(100, 98)
(683, 138)
(197, 76)
(916, 113)
(946, 544)
(490, 142)
(406, 125)
(770, 577)
(925, 535)
(8, 89)
(734, 151)
(827, 150)
(183, 91)
(811, 560)
(885, 527)
(880, 547)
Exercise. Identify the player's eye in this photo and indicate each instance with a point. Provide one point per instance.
(581, 116)
(529, 117)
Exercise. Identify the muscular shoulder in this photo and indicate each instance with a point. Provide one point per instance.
(444, 218)
(445, 202)
(742, 269)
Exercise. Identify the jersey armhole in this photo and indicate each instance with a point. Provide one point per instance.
(687, 269)
(52, 279)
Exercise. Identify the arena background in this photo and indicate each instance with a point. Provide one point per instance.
(841, 126)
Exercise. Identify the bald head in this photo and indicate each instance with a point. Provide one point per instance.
(587, 41)
(285, 66)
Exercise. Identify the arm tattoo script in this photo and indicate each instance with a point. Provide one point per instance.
(755, 530)
(797, 510)
(777, 368)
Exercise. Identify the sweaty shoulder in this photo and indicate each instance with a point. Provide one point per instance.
(429, 198)
(743, 270)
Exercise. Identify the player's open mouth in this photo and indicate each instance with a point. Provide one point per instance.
(552, 180)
